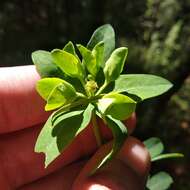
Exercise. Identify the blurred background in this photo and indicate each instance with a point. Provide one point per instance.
(157, 33)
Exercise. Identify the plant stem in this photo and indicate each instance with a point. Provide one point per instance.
(102, 88)
(96, 129)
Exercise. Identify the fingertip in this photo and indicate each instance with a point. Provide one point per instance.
(82, 182)
(113, 176)
(129, 170)
(135, 155)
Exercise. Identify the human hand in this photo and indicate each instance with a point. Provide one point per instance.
(21, 118)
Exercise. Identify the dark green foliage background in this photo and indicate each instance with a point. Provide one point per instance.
(157, 33)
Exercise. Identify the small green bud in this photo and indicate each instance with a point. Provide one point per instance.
(91, 87)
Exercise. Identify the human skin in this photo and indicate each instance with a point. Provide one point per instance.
(21, 118)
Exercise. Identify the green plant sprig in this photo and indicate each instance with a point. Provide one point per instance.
(161, 180)
(80, 90)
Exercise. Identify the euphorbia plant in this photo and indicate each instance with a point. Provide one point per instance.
(85, 84)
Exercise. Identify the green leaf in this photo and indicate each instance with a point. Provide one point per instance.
(88, 59)
(98, 53)
(118, 106)
(53, 140)
(114, 64)
(119, 132)
(46, 143)
(154, 146)
(159, 181)
(76, 105)
(63, 93)
(142, 85)
(87, 114)
(68, 63)
(70, 48)
(49, 143)
(46, 68)
(166, 156)
(46, 85)
(106, 34)
(44, 64)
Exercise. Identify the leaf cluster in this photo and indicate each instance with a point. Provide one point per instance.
(81, 83)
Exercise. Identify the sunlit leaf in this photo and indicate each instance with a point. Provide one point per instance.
(118, 106)
(142, 85)
(46, 85)
(69, 47)
(63, 93)
(114, 65)
(68, 63)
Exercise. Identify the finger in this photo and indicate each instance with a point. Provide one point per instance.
(20, 105)
(118, 173)
(21, 165)
(17, 155)
(59, 180)
(131, 123)
(134, 154)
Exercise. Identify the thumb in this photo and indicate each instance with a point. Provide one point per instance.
(128, 170)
